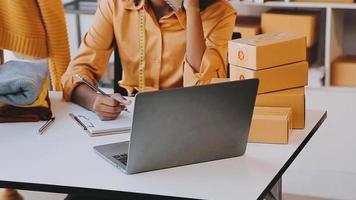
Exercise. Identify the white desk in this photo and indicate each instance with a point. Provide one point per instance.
(62, 160)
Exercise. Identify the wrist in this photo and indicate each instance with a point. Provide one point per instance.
(192, 10)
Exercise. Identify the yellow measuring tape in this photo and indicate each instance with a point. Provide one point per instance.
(142, 46)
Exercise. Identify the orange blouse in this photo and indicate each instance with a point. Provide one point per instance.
(117, 22)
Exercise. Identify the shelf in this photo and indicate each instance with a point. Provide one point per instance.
(297, 4)
(336, 30)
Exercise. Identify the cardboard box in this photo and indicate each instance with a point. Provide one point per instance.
(248, 26)
(293, 98)
(276, 78)
(343, 71)
(326, 1)
(271, 125)
(267, 50)
(301, 22)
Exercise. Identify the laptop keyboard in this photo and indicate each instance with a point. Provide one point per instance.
(121, 158)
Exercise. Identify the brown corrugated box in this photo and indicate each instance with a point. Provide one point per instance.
(271, 125)
(301, 22)
(248, 26)
(326, 1)
(276, 78)
(343, 71)
(267, 50)
(293, 98)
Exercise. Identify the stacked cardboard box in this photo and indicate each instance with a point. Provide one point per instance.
(271, 125)
(279, 62)
(301, 22)
(248, 26)
(343, 71)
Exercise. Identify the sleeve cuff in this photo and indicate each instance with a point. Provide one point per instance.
(212, 66)
(70, 82)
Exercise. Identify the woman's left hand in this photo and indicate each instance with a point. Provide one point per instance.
(191, 4)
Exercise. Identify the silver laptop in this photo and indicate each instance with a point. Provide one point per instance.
(184, 126)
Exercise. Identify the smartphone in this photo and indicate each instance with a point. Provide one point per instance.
(175, 4)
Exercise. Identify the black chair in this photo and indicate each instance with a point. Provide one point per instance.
(118, 74)
(118, 68)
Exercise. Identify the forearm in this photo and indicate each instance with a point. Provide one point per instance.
(195, 38)
(84, 96)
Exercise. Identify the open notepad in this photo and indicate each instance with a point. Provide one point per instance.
(96, 127)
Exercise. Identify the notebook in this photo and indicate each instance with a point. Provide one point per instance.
(92, 124)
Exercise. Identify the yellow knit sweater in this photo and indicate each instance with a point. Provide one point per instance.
(36, 28)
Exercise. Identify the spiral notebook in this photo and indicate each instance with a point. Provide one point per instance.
(92, 124)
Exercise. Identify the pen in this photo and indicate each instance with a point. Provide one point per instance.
(46, 125)
(88, 83)
(77, 120)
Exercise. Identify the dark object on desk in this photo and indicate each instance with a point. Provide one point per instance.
(46, 125)
(21, 82)
(9, 113)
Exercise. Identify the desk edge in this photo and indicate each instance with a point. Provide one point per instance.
(293, 157)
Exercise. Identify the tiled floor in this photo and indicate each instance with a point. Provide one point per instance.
(326, 168)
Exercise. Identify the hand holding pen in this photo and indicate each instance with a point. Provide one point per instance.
(106, 106)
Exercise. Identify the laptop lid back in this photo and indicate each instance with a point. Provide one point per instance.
(183, 126)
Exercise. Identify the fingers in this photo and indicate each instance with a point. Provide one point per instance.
(104, 116)
(109, 101)
(107, 108)
(121, 99)
(102, 107)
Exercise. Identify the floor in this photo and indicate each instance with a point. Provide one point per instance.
(324, 170)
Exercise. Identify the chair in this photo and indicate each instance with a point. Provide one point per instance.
(118, 68)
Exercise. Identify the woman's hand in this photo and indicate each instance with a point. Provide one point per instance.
(191, 5)
(109, 108)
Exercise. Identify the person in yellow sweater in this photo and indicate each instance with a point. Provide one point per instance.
(159, 48)
(35, 29)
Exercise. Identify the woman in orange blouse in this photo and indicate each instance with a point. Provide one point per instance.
(182, 48)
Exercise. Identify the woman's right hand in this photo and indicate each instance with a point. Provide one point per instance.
(109, 108)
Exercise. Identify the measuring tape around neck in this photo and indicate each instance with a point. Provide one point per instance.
(142, 48)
